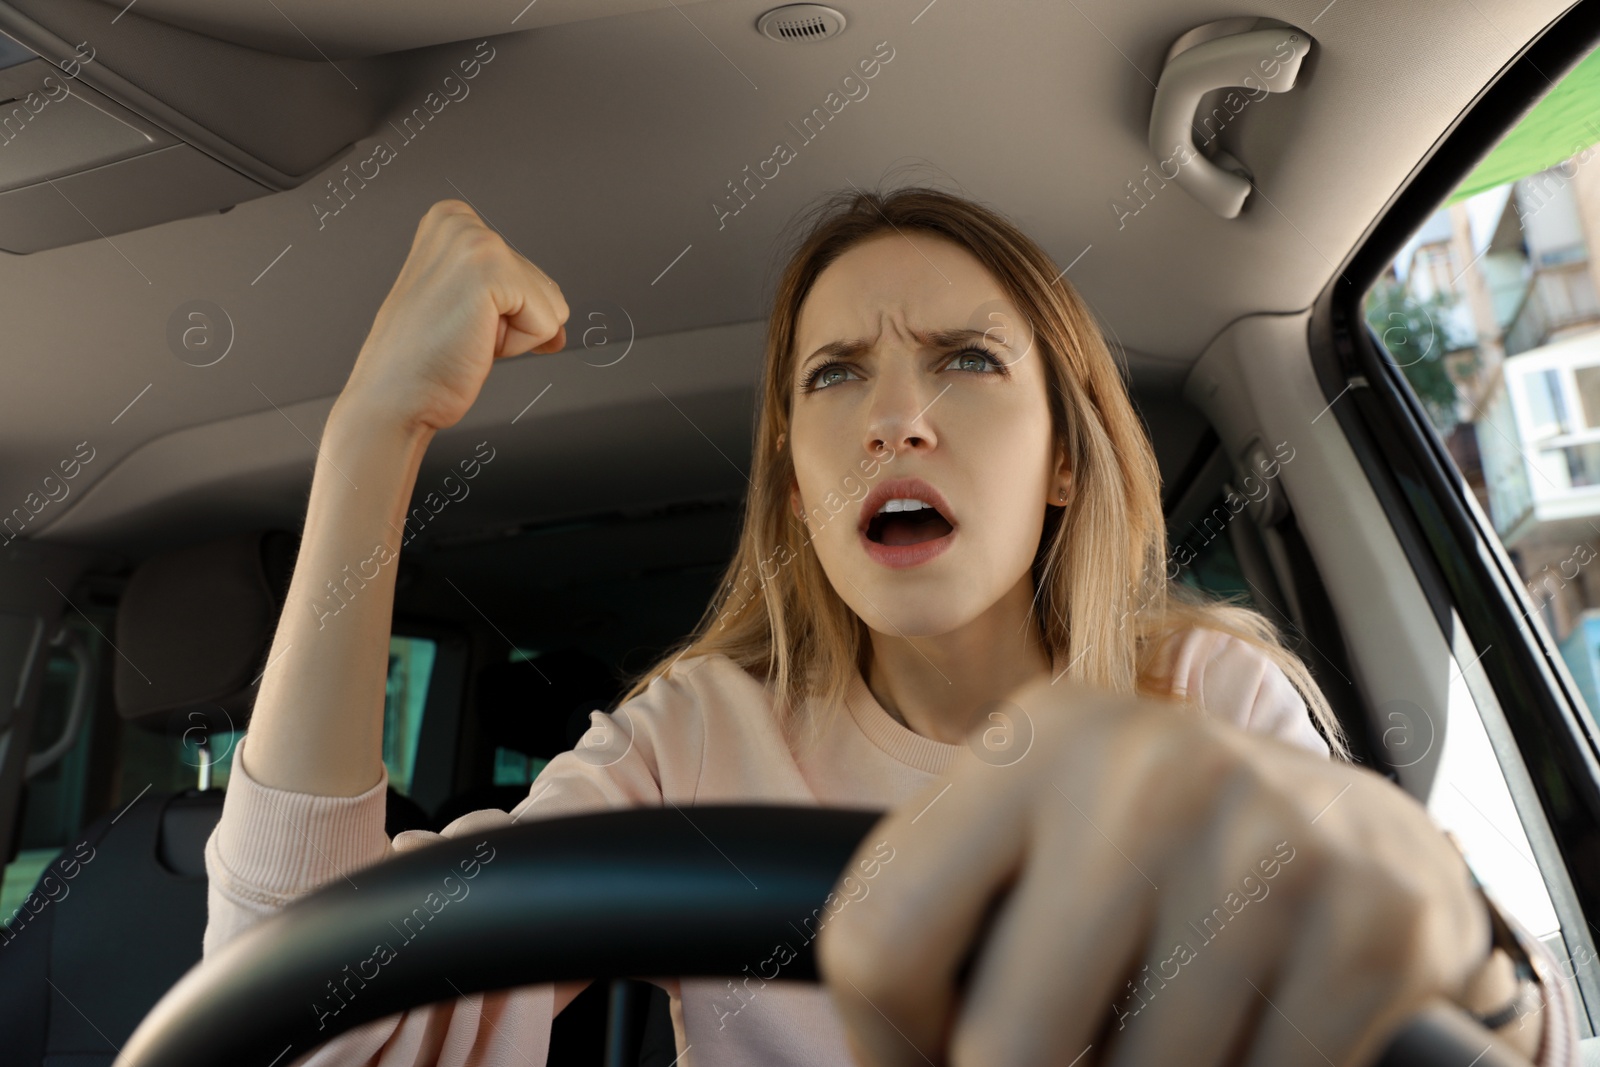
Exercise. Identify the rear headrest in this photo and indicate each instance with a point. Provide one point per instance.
(540, 708)
(194, 628)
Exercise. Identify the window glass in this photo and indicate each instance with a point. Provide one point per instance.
(55, 794)
(58, 800)
(1588, 380)
(21, 875)
(513, 768)
(510, 766)
(1547, 406)
(1470, 799)
(54, 799)
(405, 697)
(1504, 358)
(1504, 354)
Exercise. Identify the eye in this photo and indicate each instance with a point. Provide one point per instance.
(978, 358)
(822, 375)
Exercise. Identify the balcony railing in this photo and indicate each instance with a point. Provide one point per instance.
(1558, 297)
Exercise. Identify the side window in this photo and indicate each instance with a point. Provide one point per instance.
(513, 768)
(1492, 313)
(510, 766)
(405, 697)
(53, 808)
(69, 794)
(56, 792)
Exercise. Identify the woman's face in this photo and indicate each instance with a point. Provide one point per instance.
(906, 404)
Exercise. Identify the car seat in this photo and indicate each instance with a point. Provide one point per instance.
(78, 972)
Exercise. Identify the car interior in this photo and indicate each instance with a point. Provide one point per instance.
(203, 213)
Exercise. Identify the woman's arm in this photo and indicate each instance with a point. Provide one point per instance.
(305, 805)
(317, 725)
(463, 298)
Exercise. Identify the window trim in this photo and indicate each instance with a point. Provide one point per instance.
(1455, 554)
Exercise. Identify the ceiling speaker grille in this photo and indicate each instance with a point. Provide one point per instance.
(801, 22)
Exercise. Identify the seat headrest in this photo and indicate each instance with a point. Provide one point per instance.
(194, 628)
(540, 708)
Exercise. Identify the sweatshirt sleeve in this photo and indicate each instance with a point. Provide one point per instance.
(1558, 1021)
(272, 846)
(1234, 681)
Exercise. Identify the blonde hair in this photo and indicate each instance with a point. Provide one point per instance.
(1101, 562)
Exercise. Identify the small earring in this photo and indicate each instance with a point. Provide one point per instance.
(1063, 496)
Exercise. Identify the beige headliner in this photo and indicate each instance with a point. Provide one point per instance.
(598, 147)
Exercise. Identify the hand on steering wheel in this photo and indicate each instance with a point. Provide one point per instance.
(1178, 891)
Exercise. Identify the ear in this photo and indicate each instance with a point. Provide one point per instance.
(1061, 481)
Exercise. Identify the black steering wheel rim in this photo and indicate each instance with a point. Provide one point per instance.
(633, 892)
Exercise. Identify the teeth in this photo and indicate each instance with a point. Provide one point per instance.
(904, 504)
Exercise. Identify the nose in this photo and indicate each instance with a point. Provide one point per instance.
(899, 412)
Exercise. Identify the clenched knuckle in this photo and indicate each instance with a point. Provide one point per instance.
(480, 243)
(441, 211)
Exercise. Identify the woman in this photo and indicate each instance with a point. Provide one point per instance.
(953, 508)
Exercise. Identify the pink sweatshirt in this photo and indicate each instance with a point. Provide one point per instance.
(702, 735)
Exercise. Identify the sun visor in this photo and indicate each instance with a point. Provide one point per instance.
(113, 122)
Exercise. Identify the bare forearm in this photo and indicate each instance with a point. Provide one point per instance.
(317, 726)
(463, 299)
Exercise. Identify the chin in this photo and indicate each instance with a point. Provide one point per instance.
(924, 613)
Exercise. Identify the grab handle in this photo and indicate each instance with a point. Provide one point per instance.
(1261, 61)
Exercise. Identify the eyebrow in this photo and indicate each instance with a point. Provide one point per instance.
(929, 338)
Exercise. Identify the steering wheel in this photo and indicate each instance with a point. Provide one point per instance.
(618, 893)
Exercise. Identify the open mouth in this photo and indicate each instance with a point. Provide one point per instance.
(908, 527)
